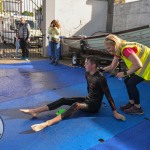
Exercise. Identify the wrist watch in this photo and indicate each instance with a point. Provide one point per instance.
(125, 73)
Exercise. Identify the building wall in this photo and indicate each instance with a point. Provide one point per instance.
(48, 16)
(131, 15)
(76, 17)
(79, 17)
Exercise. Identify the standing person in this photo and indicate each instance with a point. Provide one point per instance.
(96, 86)
(24, 37)
(54, 41)
(137, 59)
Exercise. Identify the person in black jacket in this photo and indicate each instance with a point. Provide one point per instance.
(96, 86)
(24, 37)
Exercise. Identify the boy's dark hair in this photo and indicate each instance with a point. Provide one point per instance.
(93, 60)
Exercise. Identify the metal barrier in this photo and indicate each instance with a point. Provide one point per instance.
(10, 13)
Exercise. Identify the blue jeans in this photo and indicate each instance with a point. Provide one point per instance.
(55, 47)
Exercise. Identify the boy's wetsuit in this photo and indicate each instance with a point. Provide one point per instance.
(97, 87)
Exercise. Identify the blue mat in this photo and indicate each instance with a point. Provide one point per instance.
(80, 132)
(135, 138)
(26, 79)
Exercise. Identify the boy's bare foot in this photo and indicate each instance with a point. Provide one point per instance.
(38, 127)
(29, 112)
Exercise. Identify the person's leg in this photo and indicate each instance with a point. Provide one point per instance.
(128, 91)
(131, 100)
(74, 108)
(49, 50)
(53, 105)
(65, 101)
(131, 85)
(26, 50)
(52, 53)
(57, 48)
(23, 48)
(34, 112)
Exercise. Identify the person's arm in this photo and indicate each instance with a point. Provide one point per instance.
(113, 65)
(106, 91)
(87, 83)
(49, 31)
(57, 30)
(28, 32)
(136, 65)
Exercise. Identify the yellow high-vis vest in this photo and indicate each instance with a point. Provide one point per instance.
(143, 53)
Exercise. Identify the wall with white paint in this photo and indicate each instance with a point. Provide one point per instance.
(48, 16)
(79, 17)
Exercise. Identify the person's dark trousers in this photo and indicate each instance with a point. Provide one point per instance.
(24, 47)
(131, 83)
(65, 101)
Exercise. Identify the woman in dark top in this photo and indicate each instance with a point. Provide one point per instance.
(96, 86)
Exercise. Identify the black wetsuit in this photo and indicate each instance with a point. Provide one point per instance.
(97, 87)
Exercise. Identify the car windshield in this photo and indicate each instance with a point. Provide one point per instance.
(33, 24)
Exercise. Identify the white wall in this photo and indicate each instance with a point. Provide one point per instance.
(48, 16)
(92, 14)
(131, 15)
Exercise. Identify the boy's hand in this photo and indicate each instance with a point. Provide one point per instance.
(101, 69)
(120, 75)
(119, 116)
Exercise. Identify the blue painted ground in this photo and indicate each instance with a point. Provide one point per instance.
(37, 83)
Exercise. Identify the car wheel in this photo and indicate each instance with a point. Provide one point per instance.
(75, 59)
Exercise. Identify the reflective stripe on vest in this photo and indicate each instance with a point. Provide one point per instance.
(144, 56)
(145, 65)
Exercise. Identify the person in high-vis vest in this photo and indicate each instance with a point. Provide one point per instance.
(137, 59)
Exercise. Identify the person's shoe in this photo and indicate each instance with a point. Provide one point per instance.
(127, 106)
(26, 59)
(134, 110)
(56, 63)
(22, 58)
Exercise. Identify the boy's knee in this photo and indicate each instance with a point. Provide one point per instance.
(71, 110)
(76, 105)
